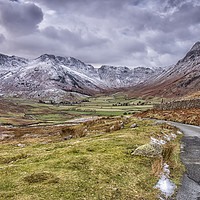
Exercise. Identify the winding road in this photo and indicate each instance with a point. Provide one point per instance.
(190, 156)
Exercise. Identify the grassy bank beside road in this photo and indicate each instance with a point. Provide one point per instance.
(99, 165)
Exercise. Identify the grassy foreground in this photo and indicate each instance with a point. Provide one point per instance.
(97, 166)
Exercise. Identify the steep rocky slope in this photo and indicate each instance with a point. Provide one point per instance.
(179, 80)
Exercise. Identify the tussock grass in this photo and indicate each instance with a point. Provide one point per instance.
(41, 177)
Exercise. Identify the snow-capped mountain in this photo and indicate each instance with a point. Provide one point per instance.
(55, 77)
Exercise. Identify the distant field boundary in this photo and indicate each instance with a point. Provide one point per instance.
(183, 104)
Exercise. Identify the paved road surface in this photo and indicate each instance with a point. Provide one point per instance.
(190, 156)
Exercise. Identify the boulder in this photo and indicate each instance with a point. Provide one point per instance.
(149, 150)
(21, 145)
(133, 126)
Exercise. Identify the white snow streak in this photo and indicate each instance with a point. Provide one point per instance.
(164, 184)
(156, 141)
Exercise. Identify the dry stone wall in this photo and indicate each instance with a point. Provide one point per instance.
(174, 105)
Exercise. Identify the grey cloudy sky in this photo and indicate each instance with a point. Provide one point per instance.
(116, 32)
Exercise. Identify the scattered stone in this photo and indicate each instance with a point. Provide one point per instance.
(112, 127)
(158, 123)
(149, 150)
(122, 124)
(26, 135)
(6, 136)
(32, 136)
(44, 142)
(21, 145)
(68, 137)
(133, 126)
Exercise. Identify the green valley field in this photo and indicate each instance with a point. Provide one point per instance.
(24, 112)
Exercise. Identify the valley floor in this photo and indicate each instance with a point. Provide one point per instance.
(21, 112)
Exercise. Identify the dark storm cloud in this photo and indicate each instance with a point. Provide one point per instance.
(129, 32)
(20, 19)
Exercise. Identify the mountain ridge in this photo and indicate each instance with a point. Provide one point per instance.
(57, 78)
(51, 77)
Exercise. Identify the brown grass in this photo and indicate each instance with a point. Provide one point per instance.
(168, 153)
(157, 166)
(75, 131)
(188, 116)
(103, 125)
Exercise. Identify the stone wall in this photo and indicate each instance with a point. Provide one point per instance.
(183, 104)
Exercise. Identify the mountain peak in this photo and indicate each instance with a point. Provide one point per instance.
(45, 57)
(196, 47)
(192, 55)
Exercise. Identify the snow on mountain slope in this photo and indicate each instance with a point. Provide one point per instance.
(54, 77)
(12, 62)
(123, 76)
